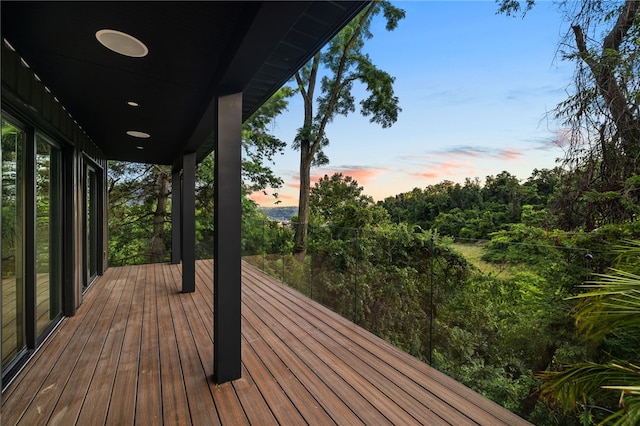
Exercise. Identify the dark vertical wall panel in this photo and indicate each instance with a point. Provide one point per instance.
(176, 221)
(69, 301)
(227, 220)
(101, 229)
(189, 223)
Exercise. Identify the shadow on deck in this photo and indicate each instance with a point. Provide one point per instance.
(140, 352)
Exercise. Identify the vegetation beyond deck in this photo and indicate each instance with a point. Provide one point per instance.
(140, 352)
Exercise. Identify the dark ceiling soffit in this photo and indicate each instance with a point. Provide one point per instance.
(260, 36)
(206, 147)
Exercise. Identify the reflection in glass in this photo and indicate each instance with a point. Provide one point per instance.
(91, 220)
(13, 314)
(48, 233)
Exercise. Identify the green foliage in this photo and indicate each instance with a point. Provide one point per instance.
(609, 306)
(260, 235)
(513, 7)
(10, 194)
(488, 341)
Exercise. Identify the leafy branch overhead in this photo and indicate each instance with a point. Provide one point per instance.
(260, 146)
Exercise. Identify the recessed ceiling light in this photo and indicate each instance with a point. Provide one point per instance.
(133, 104)
(138, 134)
(140, 147)
(122, 43)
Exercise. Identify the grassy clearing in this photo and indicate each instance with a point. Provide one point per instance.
(473, 253)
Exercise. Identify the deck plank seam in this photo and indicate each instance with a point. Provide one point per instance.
(322, 315)
(395, 393)
(61, 329)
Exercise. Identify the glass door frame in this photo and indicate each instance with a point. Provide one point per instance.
(92, 222)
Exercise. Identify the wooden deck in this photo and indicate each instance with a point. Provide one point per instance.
(140, 352)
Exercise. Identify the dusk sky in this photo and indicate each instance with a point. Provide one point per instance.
(474, 88)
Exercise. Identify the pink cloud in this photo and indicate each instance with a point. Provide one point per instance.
(361, 174)
(447, 169)
(509, 155)
(269, 200)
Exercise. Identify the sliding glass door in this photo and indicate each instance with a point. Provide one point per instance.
(48, 233)
(31, 250)
(12, 249)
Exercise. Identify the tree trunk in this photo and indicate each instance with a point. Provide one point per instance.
(529, 403)
(307, 152)
(603, 71)
(159, 216)
(300, 240)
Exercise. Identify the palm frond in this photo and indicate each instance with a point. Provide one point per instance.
(629, 415)
(578, 382)
(612, 303)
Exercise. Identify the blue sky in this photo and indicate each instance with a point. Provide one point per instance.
(474, 88)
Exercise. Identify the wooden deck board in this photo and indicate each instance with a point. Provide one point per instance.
(285, 381)
(255, 407)
(149, 398)
(68, 379)
(174, 395)
(122, 404)
(141, 352)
